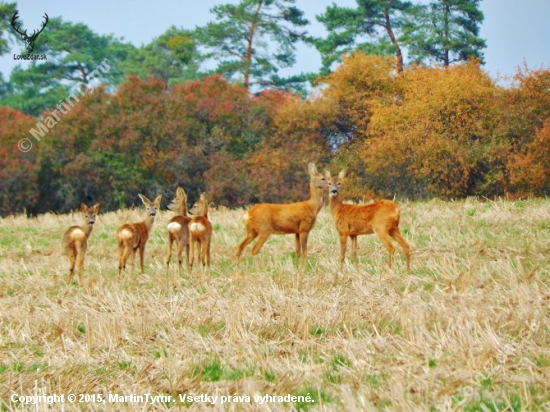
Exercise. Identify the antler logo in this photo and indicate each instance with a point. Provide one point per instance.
(29, 40)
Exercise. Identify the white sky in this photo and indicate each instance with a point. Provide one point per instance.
(515, 30)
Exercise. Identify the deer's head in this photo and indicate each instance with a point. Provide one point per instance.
(90, 213)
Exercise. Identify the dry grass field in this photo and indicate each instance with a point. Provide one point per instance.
(467, 329)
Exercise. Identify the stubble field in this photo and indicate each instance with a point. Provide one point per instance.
(467, 329)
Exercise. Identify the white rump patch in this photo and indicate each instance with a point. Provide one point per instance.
(78, 233)
(125, 234)
(173, 227)
(246, 217)
(196, 227)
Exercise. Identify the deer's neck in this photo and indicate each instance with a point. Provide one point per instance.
(334, 204)
(88, 228)
(149, 220)
(315, 197)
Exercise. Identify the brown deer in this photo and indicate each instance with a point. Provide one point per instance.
(381, 217)
(75, 240)
(200, 231)
(133, 236)
(178, 229)
(265, 219)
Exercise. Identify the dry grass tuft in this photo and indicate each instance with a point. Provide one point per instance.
(467, 329)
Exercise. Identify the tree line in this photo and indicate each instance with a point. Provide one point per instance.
(247, 42)
(407, 130)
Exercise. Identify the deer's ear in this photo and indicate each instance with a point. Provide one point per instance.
(95, 208)
(327, 174)
(83, 208)
(144, 199)
(180, 192)
(343, 173)
(312, 169)
(158, 200)
(203, 196)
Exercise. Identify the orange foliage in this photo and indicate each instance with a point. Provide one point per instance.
(359, 82)
(530, 171)
(429, 141)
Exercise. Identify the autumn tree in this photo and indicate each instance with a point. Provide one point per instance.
(18, 169)
(525, 113)
(433, 140)
(243, 36)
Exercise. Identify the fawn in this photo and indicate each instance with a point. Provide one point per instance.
(381, 217)
(178, 229)
(265, 219)
(133, 236)
(200, 230)
(75, 240)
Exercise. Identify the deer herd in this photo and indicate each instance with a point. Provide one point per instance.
(193, 234)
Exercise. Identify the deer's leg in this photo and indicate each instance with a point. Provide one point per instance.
(192, 253)
(169, 254)
(384, 237)
(298, 247)
(133, 260)
(396, 234)
(209, 242)
(72, 259)
(249, 237)
(179, 254)
(187, 255)
(343, 246)
(204, 252)
(354, 247)
(141, 257)
(259, 243)
(80, 259)
(303, 246)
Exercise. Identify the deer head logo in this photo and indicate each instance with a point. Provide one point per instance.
(29, 40)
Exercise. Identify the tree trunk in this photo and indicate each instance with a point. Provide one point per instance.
(248, 58)
(398, 53)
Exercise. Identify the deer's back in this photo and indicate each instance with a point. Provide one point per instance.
(361, 219)
(281, 218)
(135, 233)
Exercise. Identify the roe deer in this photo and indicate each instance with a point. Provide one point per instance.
(381, 217)
(178, 229)
(75, 240)
(200, 231)
(265, 219)
(133, 236)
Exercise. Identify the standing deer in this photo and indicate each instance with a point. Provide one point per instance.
(266, 219)
(200, 230)
(381, 217)
(178, 229)
(75, 240)
(133, 236)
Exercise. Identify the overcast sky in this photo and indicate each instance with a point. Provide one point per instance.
(515, 30)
